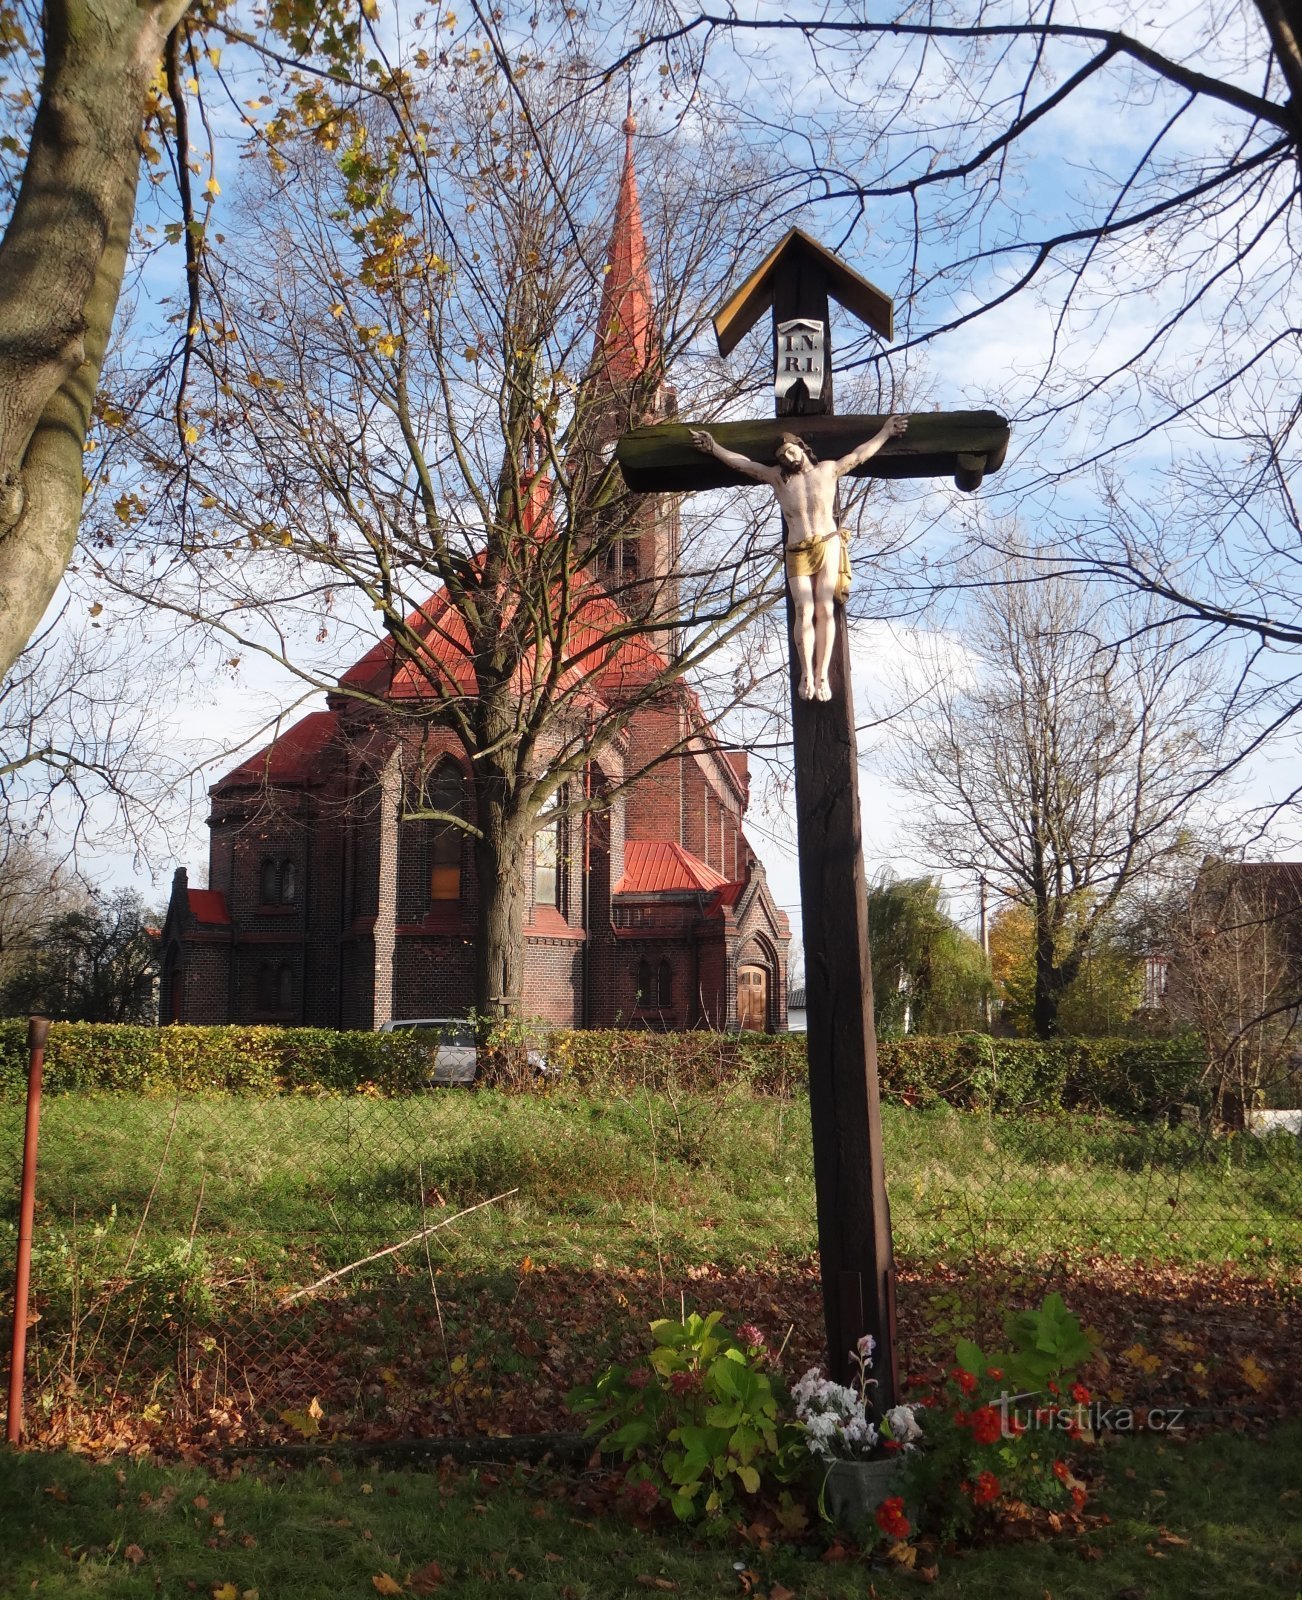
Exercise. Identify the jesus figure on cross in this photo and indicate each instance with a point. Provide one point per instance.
(818, 552)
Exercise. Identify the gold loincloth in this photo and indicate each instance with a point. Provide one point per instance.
(805, 560)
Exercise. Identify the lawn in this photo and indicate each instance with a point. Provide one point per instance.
(263, 1193)
(1214, 1516)
(169, 1234)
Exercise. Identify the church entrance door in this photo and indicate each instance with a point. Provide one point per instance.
(752, 999)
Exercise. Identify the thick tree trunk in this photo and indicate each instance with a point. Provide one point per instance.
(502, 856)
(61, 266)
(1283, 20)
(1054, 974)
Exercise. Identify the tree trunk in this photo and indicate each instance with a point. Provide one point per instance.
(1283, 20)
(502, 856)
(1048, 990)
(61, 266)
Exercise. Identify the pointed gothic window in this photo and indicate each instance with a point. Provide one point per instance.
(664, 985)
(288, 883)
(445, 791)
(269, 883)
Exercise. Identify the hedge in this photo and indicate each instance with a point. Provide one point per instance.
(1132, 1077)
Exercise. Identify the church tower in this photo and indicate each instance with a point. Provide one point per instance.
(625, 388)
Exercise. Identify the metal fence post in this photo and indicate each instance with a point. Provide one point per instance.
(38, 1029)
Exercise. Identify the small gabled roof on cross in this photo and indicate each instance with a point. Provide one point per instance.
(746, 305)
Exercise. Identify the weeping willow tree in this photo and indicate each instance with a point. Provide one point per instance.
(929, 976)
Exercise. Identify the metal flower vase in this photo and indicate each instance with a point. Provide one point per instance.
(853, 1490)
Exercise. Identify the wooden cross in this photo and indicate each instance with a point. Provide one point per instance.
(854, 1233)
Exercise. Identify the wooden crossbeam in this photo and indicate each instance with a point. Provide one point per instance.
(964, 445)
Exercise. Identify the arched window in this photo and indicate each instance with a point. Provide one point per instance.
(176, 994)
(288, 883)
(664, 985)
(548, 880)
(645, 979)
(445, 791)
(269, 883)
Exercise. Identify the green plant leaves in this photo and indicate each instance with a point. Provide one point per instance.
(700, 1417)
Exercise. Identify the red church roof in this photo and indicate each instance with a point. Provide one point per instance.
(293, 758)
(208, 905)
(599, 664)
(652, 866)
(625, 327)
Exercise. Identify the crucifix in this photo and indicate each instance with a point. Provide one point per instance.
(795, 282)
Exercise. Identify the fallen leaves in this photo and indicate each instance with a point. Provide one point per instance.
(1172, 1336)
(134, 1554)
(382, 1583)
(306, 1423)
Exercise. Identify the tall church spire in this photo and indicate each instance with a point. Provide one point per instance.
(626, 343)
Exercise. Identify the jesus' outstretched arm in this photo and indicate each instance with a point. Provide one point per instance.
(705, 443)
(892, 428)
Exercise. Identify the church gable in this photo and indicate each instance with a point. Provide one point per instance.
(346, 906)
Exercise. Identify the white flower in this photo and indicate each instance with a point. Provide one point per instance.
(903, 1423)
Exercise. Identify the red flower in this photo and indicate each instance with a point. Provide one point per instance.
(891, 1519)
(638, 1378)
(987, 1489)
(1061, 1471)
(684, 1383)
(641, 1497)
(1078, 1498)
(994, 1372)
(1080, 1394)
(964, 1380)
(1053, 1387)
(985, 1425)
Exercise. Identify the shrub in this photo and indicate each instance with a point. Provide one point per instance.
(700, 1418)
(1131, 1077)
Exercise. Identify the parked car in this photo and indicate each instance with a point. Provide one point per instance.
(454, 1058)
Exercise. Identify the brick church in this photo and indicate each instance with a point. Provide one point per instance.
(327, 906)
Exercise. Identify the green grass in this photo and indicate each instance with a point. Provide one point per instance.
(274, 1190)
(66, 1527)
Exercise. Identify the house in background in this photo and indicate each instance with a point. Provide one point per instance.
(796, 1010)
(326, 906)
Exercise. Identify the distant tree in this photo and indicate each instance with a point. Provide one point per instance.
(1058, 764)
(1101, 1000)
(1233, 954)
(33, 889)
(94, 964)
(929, 976)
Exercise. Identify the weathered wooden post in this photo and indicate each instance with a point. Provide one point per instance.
(854, 1231)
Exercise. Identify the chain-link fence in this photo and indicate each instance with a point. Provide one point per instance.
(224, 1267)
